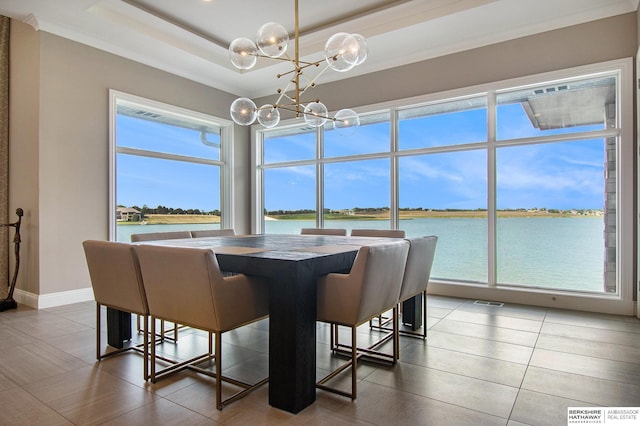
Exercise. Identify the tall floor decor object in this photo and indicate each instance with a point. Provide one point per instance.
(8, 302)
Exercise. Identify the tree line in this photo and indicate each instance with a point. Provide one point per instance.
(170, 210)
(364, 210)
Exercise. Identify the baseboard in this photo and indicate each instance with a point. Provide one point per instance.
(588, 302)
(42, 301)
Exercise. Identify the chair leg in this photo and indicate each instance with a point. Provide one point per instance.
(153, 351)
(215, 339)
(146, 346)
(98, 331)
(354, 364)
(371, 352)
(424, 314)
(331, 345)
(396, 334)
(351, 363)
(218, 371)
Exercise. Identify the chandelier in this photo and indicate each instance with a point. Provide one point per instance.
(342, 52)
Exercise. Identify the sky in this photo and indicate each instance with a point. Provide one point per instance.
(563, 175)
(560, 175)
(153, 182)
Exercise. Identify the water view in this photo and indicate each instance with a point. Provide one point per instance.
(547, 252)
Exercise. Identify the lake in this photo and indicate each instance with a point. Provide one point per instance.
(560, 253)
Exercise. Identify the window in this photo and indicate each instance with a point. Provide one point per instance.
(445, 194)
(357, 190)
(168, 168)
(443, 123)
(370, 137)
(291, 144)
(523, 181)
(565, 172)
(289, 199)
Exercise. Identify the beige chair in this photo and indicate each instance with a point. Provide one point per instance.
(388, 233)
(416, 278)
(117, 283)
(371, 287)
(323, 231)
(422, 250)
(384, 233)
(184, 285)
(153, 236)
(213, 233)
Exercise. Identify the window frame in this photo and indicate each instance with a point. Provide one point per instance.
(225, 162)
(621, 301)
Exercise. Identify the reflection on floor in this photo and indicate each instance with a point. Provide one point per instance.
(480, 365)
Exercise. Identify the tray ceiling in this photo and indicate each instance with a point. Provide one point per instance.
(189, 38)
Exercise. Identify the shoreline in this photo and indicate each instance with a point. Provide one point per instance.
(172, 219)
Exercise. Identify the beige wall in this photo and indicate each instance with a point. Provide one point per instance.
(59, 124)
(24, 133)
(638, 24)
(60, 138)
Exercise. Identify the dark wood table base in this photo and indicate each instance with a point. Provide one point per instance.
(412, 312)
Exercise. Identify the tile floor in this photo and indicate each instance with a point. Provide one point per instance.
(481, 365)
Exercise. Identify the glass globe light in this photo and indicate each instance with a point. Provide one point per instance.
(243, 111)
(341, 51)
(272, 39)
(315, 114)
(363, 48)
(268, 116)
(242, 52)
(346, 120)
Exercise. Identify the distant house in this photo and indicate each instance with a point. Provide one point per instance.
(127, 214)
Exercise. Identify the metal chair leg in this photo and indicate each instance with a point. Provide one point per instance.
(396, 335)
(98, 330)
(424, 314)
(354, 364)
(153, 351)
(218, 371)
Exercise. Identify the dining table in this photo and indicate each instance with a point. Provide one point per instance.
(291, 265)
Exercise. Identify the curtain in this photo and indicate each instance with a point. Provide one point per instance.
(4, 151)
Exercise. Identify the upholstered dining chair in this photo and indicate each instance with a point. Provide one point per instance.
(323, 231)
(228, 232)
(422, 251)
(384, 233)
(371, 287)
(416, 278)
(153, 236)
(117, 283)
(388, 233)
(184, 285)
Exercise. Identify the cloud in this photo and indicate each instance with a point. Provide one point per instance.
(556, 180)
(454, 168)
(580, 162)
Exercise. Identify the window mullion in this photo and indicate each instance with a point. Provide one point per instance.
(394, 200)
(491, 190)
(319, 178)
